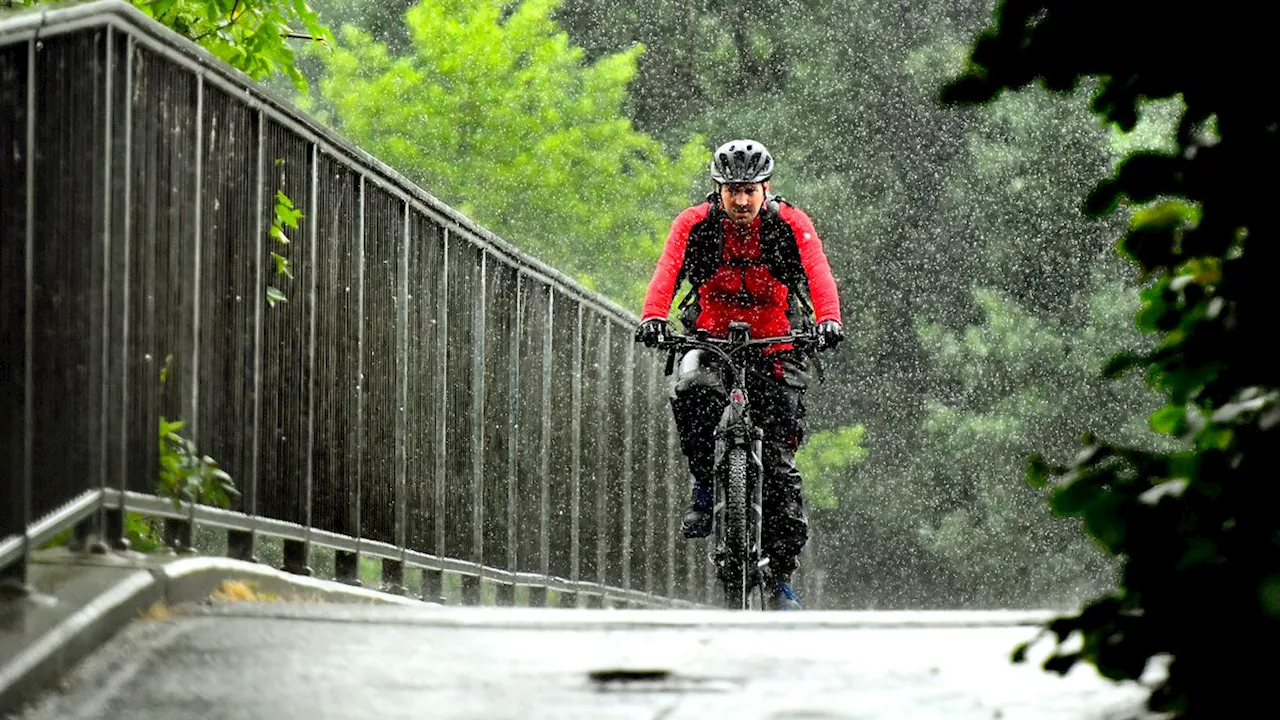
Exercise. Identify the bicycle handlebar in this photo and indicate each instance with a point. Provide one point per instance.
(805, 340)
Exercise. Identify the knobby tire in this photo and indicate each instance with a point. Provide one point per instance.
(736, 542)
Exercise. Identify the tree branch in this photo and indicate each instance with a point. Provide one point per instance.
(231, 22)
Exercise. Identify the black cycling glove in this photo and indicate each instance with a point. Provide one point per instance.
(830, 334)
(651, 332)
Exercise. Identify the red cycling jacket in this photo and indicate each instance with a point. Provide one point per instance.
(744, 284)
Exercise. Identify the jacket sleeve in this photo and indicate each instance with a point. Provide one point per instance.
(822, 283)
(657, 300)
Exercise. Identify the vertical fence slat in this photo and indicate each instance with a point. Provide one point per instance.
(377, 378)
(402, 386)
(124, 412)
(479, 441)
(192, 409)
(595, 446)
(616, 466)
(424, 451)
(300, 564)
(462, 444)
(105, 319)
(339, 402)
(672, 507)
(286, 403)
(561, 526)
(500, 374)
(355, 386)
(544, 469)
(248, 500)
(575, 464)
(117, 268)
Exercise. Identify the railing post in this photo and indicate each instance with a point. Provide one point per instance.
(505, 595)
(477, 414)
(628, 459)
(432, 585)
(605, 375)
(356, 502)
(471, 590)
(402, 394)
(652, 424)
(96, 530)
(544, 467)
(575, 461)
(513, 430)
(240, 544)
(116, 525)
(439, 507)
(393, 577)
(346, 567)
(673, 458)
(178, 535)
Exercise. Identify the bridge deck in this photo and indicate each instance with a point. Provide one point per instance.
(277, 660)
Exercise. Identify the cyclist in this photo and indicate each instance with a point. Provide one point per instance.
(753, 257)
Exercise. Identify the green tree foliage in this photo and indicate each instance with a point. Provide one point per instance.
(825, 461)
(498, 114)
(1195, 529)
(254, 36)
(1019, 384)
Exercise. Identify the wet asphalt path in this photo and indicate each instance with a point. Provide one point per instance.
(275, 660)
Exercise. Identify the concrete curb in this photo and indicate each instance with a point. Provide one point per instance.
(79, 602)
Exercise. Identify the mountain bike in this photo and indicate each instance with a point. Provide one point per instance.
(738, 511)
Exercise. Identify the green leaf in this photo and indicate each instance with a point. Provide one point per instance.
(278, 235)
(1019, 654)
(1120, 363)
(1061, 664)
(275, 296)
(160, 8)
(290, 218)
(282, 265)
(1169, 420)
(1075, 497)
(1038, 471)
(1269, 595)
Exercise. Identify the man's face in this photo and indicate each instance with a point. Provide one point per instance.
(742, 201)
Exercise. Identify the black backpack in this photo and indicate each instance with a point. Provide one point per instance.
(786, 266)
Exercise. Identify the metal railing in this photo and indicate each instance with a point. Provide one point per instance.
(427, 394)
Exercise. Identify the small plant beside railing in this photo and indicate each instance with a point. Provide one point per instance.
(185, 476)
(286, 215)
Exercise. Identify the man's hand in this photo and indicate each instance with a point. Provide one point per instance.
(651, 332)
(830, 334)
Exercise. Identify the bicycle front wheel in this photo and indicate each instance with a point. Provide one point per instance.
(736, 570)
